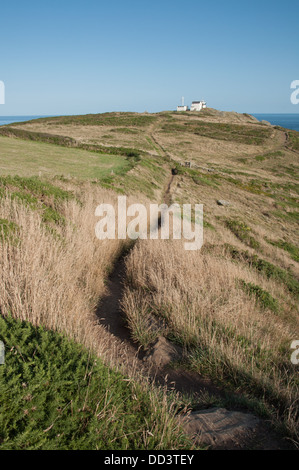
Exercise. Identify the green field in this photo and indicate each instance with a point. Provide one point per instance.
(25, 158)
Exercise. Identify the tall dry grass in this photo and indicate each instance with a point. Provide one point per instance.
(56, 279)
(195, 299)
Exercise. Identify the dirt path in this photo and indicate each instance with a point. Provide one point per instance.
(218, 435)
(109, 310)
(110, 315)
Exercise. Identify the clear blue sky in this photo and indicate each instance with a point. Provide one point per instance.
(77, 57)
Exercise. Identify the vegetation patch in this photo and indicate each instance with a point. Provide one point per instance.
(125, 130)
(253, 186)
(293, 140)
(198, 177)
(28, 158)
(104, 119)
(269, 270)
(38, 136)
(242, 231)
(263, 297)
(37, 194)
(229, 132)
(54, 394)
(205, 179)
(36, 186)
(289, 247)
(266, 156)
(291, 170)
(290, 216)
(69, 142)
(8, 230)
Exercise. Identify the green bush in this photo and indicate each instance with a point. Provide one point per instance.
(54, 394)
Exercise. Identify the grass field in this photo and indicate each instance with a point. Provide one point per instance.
(18, 157)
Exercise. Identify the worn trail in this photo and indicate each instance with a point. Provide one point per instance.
(215, 427)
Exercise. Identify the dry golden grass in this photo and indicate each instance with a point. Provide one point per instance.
(101, 135)
(195, 299)
(56, 280)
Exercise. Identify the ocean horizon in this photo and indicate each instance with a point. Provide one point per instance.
(288, 121)
(4, 120)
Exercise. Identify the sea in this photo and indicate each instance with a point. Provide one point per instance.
(289, 121)
(4, 120)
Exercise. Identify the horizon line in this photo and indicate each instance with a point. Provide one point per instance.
(137, 112)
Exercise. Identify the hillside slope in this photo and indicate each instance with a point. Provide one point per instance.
(232, 307)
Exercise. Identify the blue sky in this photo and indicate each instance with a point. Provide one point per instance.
(78, 57)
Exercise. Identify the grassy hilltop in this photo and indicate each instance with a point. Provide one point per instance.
(231, 307)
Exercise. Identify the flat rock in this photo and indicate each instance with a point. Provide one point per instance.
(220, 428)
(222, 202)
(162, 352)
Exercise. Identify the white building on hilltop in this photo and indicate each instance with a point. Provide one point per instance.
(182, 107)
(198, 105)
(195, 106)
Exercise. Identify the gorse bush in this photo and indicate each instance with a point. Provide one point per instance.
(54, 394)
